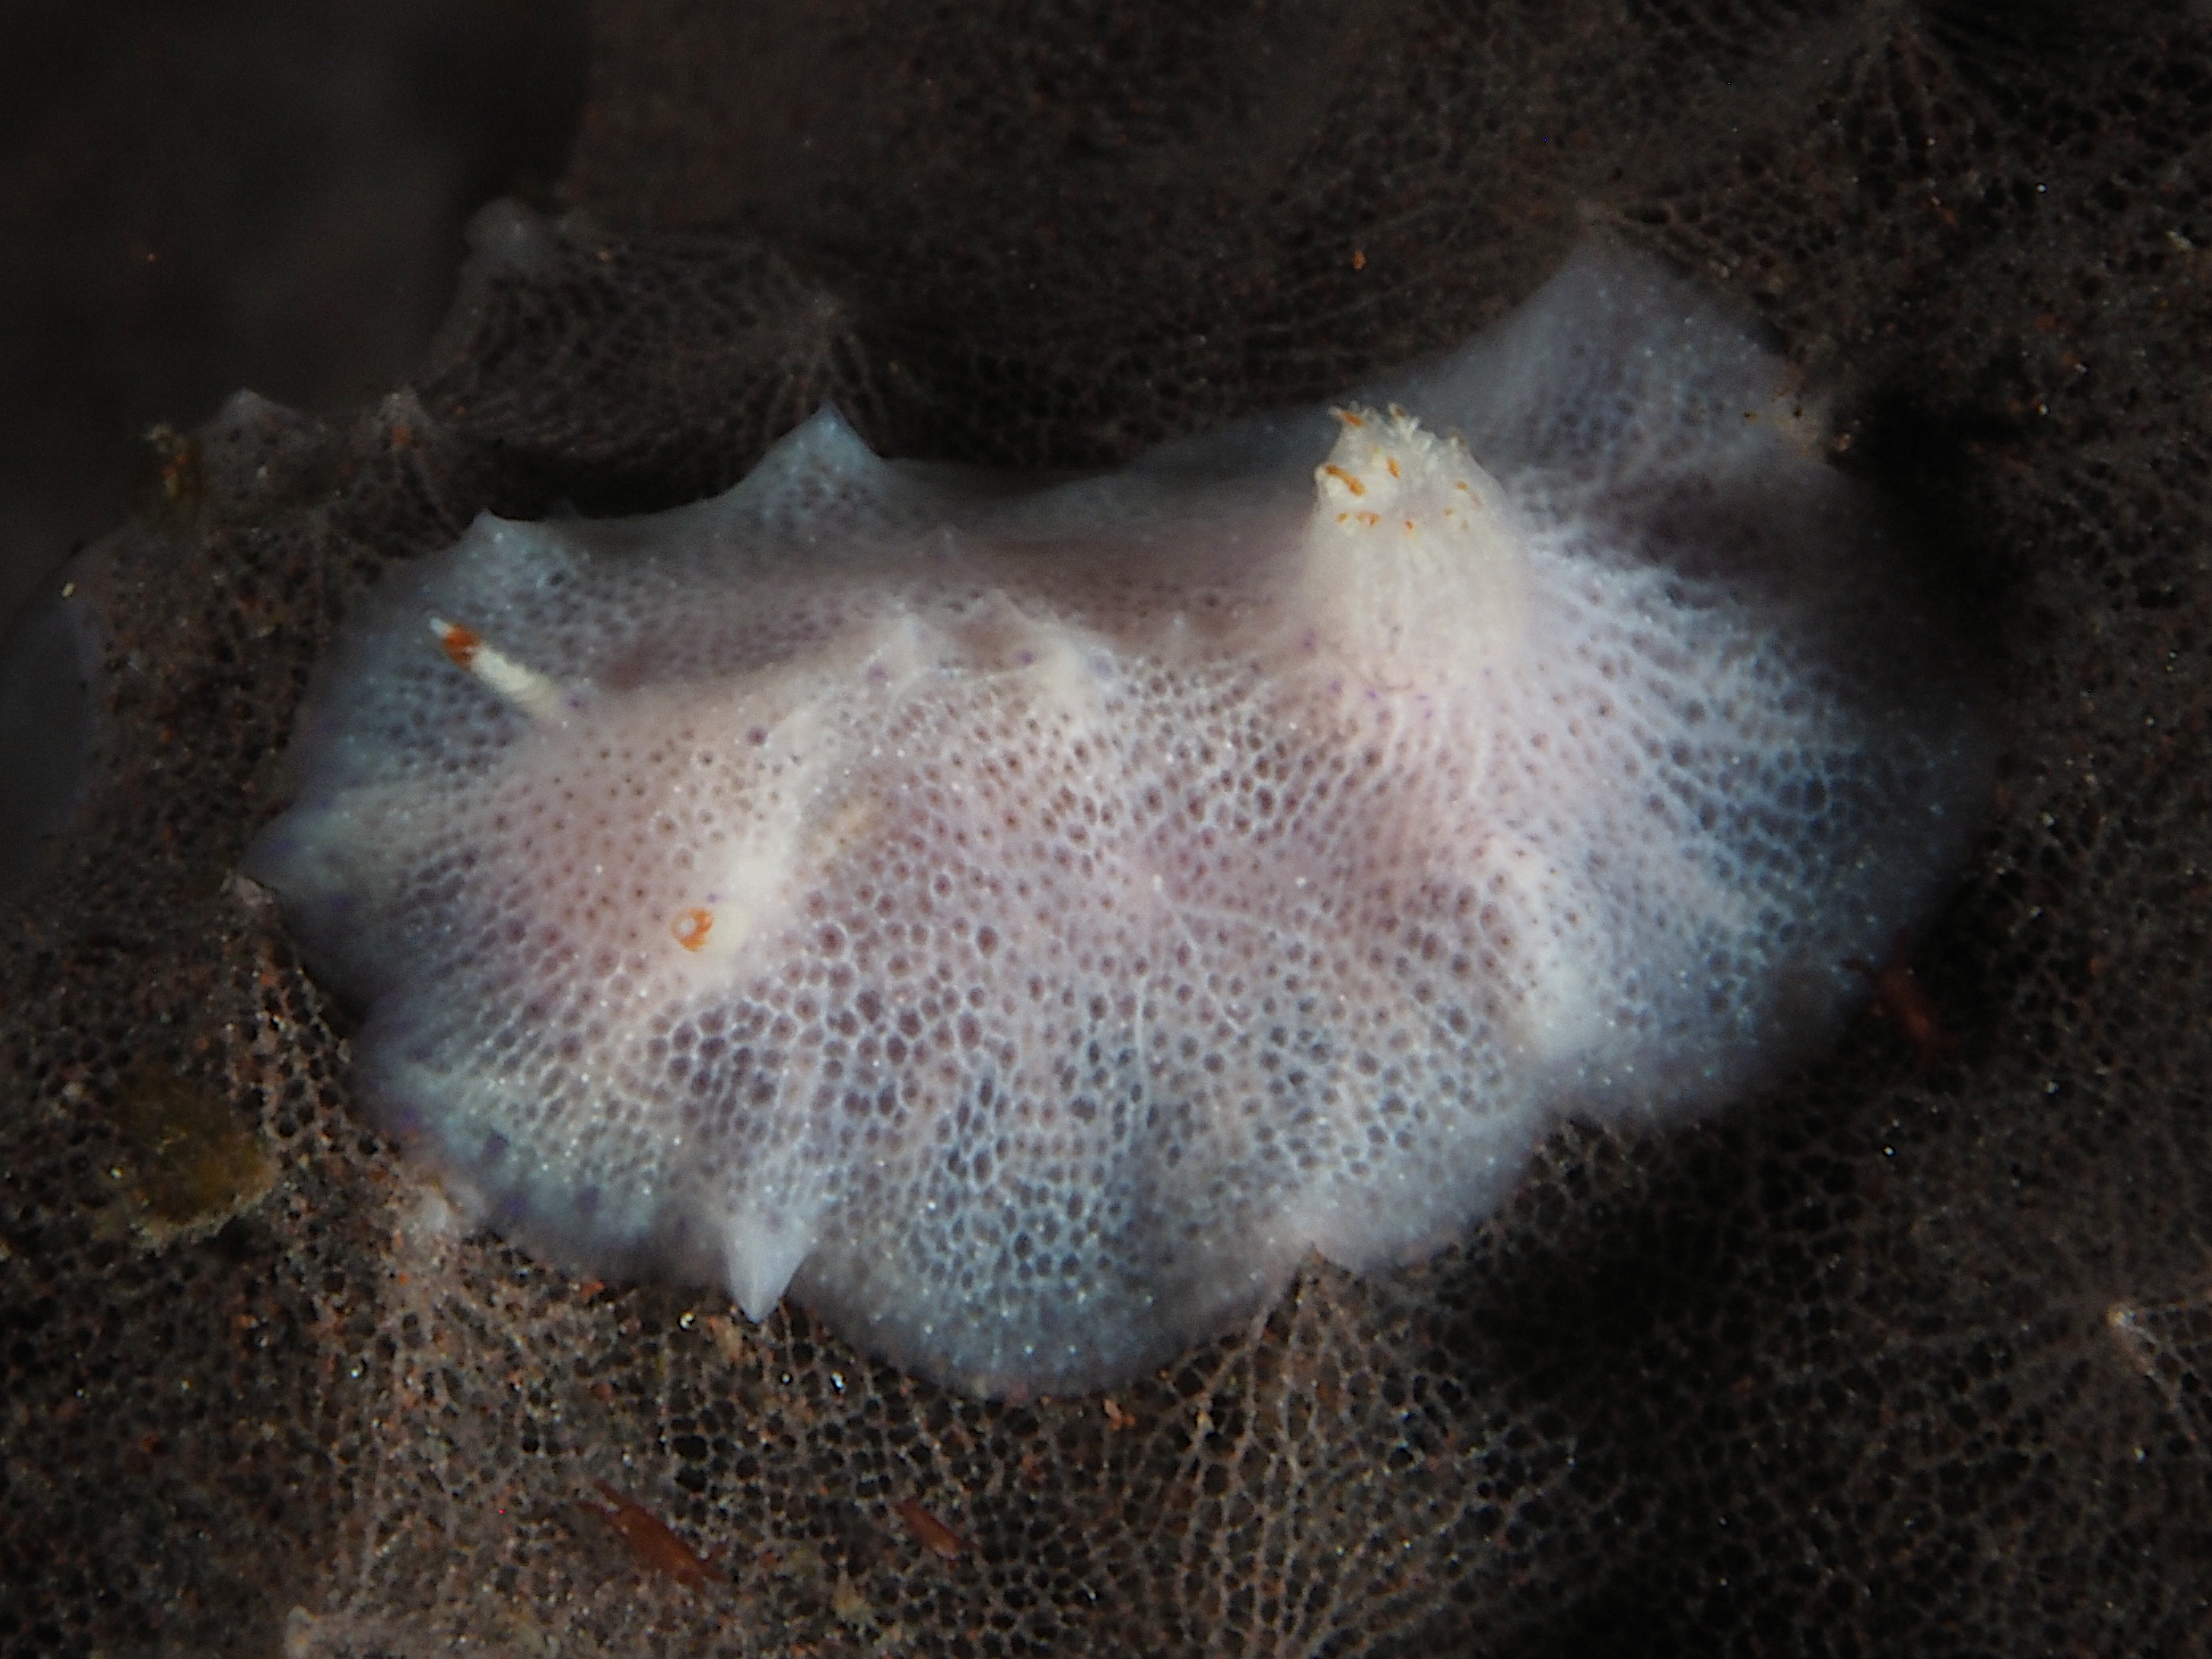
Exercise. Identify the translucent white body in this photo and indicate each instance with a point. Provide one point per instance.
(1022, 920)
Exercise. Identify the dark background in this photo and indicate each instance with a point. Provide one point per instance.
(263, 193)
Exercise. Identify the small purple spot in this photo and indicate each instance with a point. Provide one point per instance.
(587, 1202)
(494, 1147)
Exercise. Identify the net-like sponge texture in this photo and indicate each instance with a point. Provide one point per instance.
(1879, 1360)
(1027, 918)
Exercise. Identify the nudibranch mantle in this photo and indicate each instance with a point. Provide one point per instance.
(1021, 920)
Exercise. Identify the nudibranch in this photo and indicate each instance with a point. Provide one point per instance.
(1021, 920)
